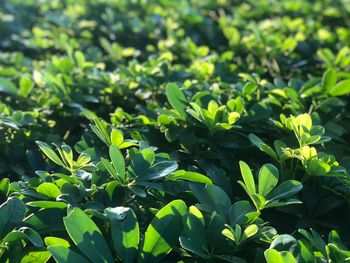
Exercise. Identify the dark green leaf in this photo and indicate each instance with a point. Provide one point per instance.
(86, 235)
(163, 232)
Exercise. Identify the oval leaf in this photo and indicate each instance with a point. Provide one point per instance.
(86, 235)
(268, 178)
(341, 88)
(163, 232)
(125, 232)
(176, 99)
(248, 177)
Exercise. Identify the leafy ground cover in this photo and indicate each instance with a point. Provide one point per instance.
(174, 131)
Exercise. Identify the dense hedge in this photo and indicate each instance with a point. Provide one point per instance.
(174, 131)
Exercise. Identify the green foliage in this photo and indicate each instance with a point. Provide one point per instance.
(174, 131)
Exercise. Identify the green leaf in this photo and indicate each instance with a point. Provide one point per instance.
(193, 247)
(46, 220)
(117, 161)
(87, 237)
(110, 168)
(336, 254)
(47, 204)
(163, 232)
(68, 154)
(306, 251)
(213, 197)
(64, 255)
(51, 241)
(334, 238)
(259, 201)
(4, 189)
(329, 79)
(124, 231)
(100, 129)
(195, 239)
(25, 86)
(247, 177)
(117, 137)
(341, 88)
(233, 117)
(7, 86)
(195, 220)
(315, 239)
(214, 231)
(68, 178)
(273, 256)
(141, 161)
(176, 99)
(250, 231)
(268, 178)
(227, 233)
(35, 257)
(47, 150)
(83, 159)
(216, 175)
(262, 146)
(49, 189)
(190, 176)
(79, 58)
(24, 233)
(137, 191)
(285, 190)
(158, 170)
(11, 214)
(317, 167)
(241, 212)
(286, 243)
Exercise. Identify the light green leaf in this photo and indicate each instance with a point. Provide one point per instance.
(47, 204)
(329, 79)
(247, 177)
(341, 88)
(273, 256)
(4, 188)
(117, 137)
(227, 233)
(268, 178)
(25, 86)
(117, 161)
(176, 99)
(190, 176)
(250, 231)
(49, 189)
(68, 154)
(35, 257)
(50, 153)
(51, 241)
(83, 159)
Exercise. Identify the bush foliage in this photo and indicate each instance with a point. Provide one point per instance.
(174, 131)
